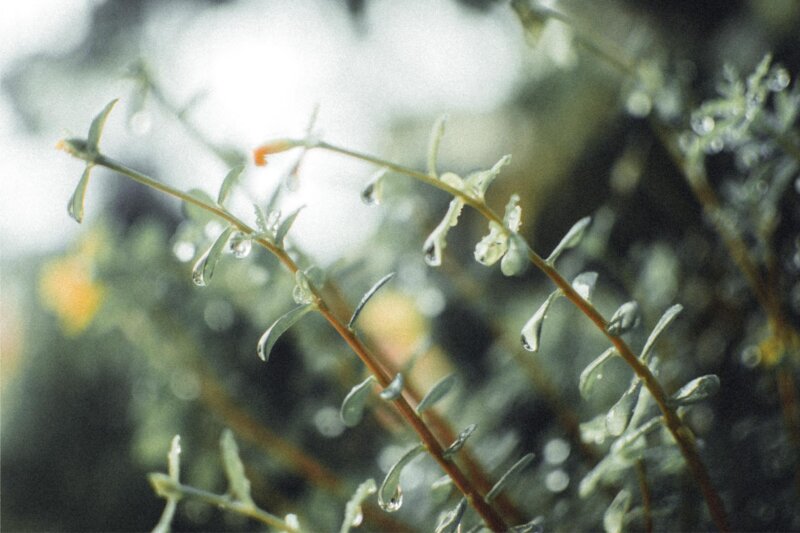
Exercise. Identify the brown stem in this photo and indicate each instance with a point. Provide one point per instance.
(641, 473)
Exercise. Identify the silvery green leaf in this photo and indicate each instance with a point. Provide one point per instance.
(228, 183)
(512, 218)
(372, 193)
(302, 292)
(534, 526)
(164, 486)
(584, 284)
(460, 441)
(516, 259)
(437, 132)
(614, 516)
(238, 484)
(267, 224)
(696, 390)
(492, 246)
(174, 458)
(353, 515)
(594, 431)
(452, 519)
(478, 182)
(620, 413)
(75, 205)
(96, 129)
(592, 373)
(203, 269)
(631, 438)
(352, 410)
(608, 470)
(570, 240)
(624, 319)
(369, 294)
(441, 489)
(278, 328)
(394, 389)
(532, 330)
(665, 320)
(436, 393)
(390, 495)
(286, 225)
(505, 478)
(437, 240)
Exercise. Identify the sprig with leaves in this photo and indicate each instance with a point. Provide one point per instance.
(503, 243)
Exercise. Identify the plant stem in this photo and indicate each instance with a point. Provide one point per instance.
(681, 433)
(490, 516)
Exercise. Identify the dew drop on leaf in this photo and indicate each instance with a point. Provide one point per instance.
(394, 503)
(372, 193)
(619, 415)
(394, 389)
(240, 245)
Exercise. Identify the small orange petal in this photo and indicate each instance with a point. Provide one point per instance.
(260, 154)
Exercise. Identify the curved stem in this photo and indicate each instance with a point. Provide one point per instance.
(490, 516)
(682, 434)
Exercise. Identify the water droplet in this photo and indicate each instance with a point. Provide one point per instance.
(619, 415)
(697, 390)
(460, 441)
(394, 389)
(328, 422)
(433, 256)
(240, 245)
(492, 246)
(394, 503)
(778, 79)
(516, 259)
(198, 271)
(372, 194)
(702, 124)
(302, 293)
(532, 330)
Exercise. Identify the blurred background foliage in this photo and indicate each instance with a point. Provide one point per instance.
(108, 350)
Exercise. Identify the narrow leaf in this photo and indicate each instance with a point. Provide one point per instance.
(510, 473)
(492, 246)
(534, 526)
(584, 284)
(450, 522)
(624, 319)
(96, 129)
(353, 515)
(75, 205)
(512, 218)
(174, 458)
(238, 484)
(437, 132)
(460, 441)
(696, 390)
(619, 415)
(372, 193)
(390, 495)
(230, 181)
(203, 269)
(352, 410)
(286, 225)
(437, 240)
(271, 336)
(364, 299)
(614, 516)
(532, 330)
(164, 486)
(592, 373)
(478, 182)
(394, 389)
(570, 240)
(436, 393)
(516, 259)
(665, 320)
(630, 438)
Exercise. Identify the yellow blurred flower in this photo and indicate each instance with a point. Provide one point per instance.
(67, 287)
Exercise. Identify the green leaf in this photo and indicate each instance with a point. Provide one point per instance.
(584, 284)
(624, 319)
(665, 320)
(436, 393)
(353, 516)
(203, 269)
(614, 516)
(390, 495)
(696, 390)
(286, 225)
(516, 259)
(478, 182)
(570, 240)
(510, 473)
(174, 458)
(230, 181)
(364, 299)
(96, 129)
(372, 193)
(75, 205)
(620, 414)
(352, 410)
(492, 246)
(394, 389)
(532, 330)
(238, 484)
(278, 328)
(460, 441)
(592, 374)
(450, 522)
(437, 240)
(437, 132)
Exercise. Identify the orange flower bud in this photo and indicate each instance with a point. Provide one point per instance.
(260, 154)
